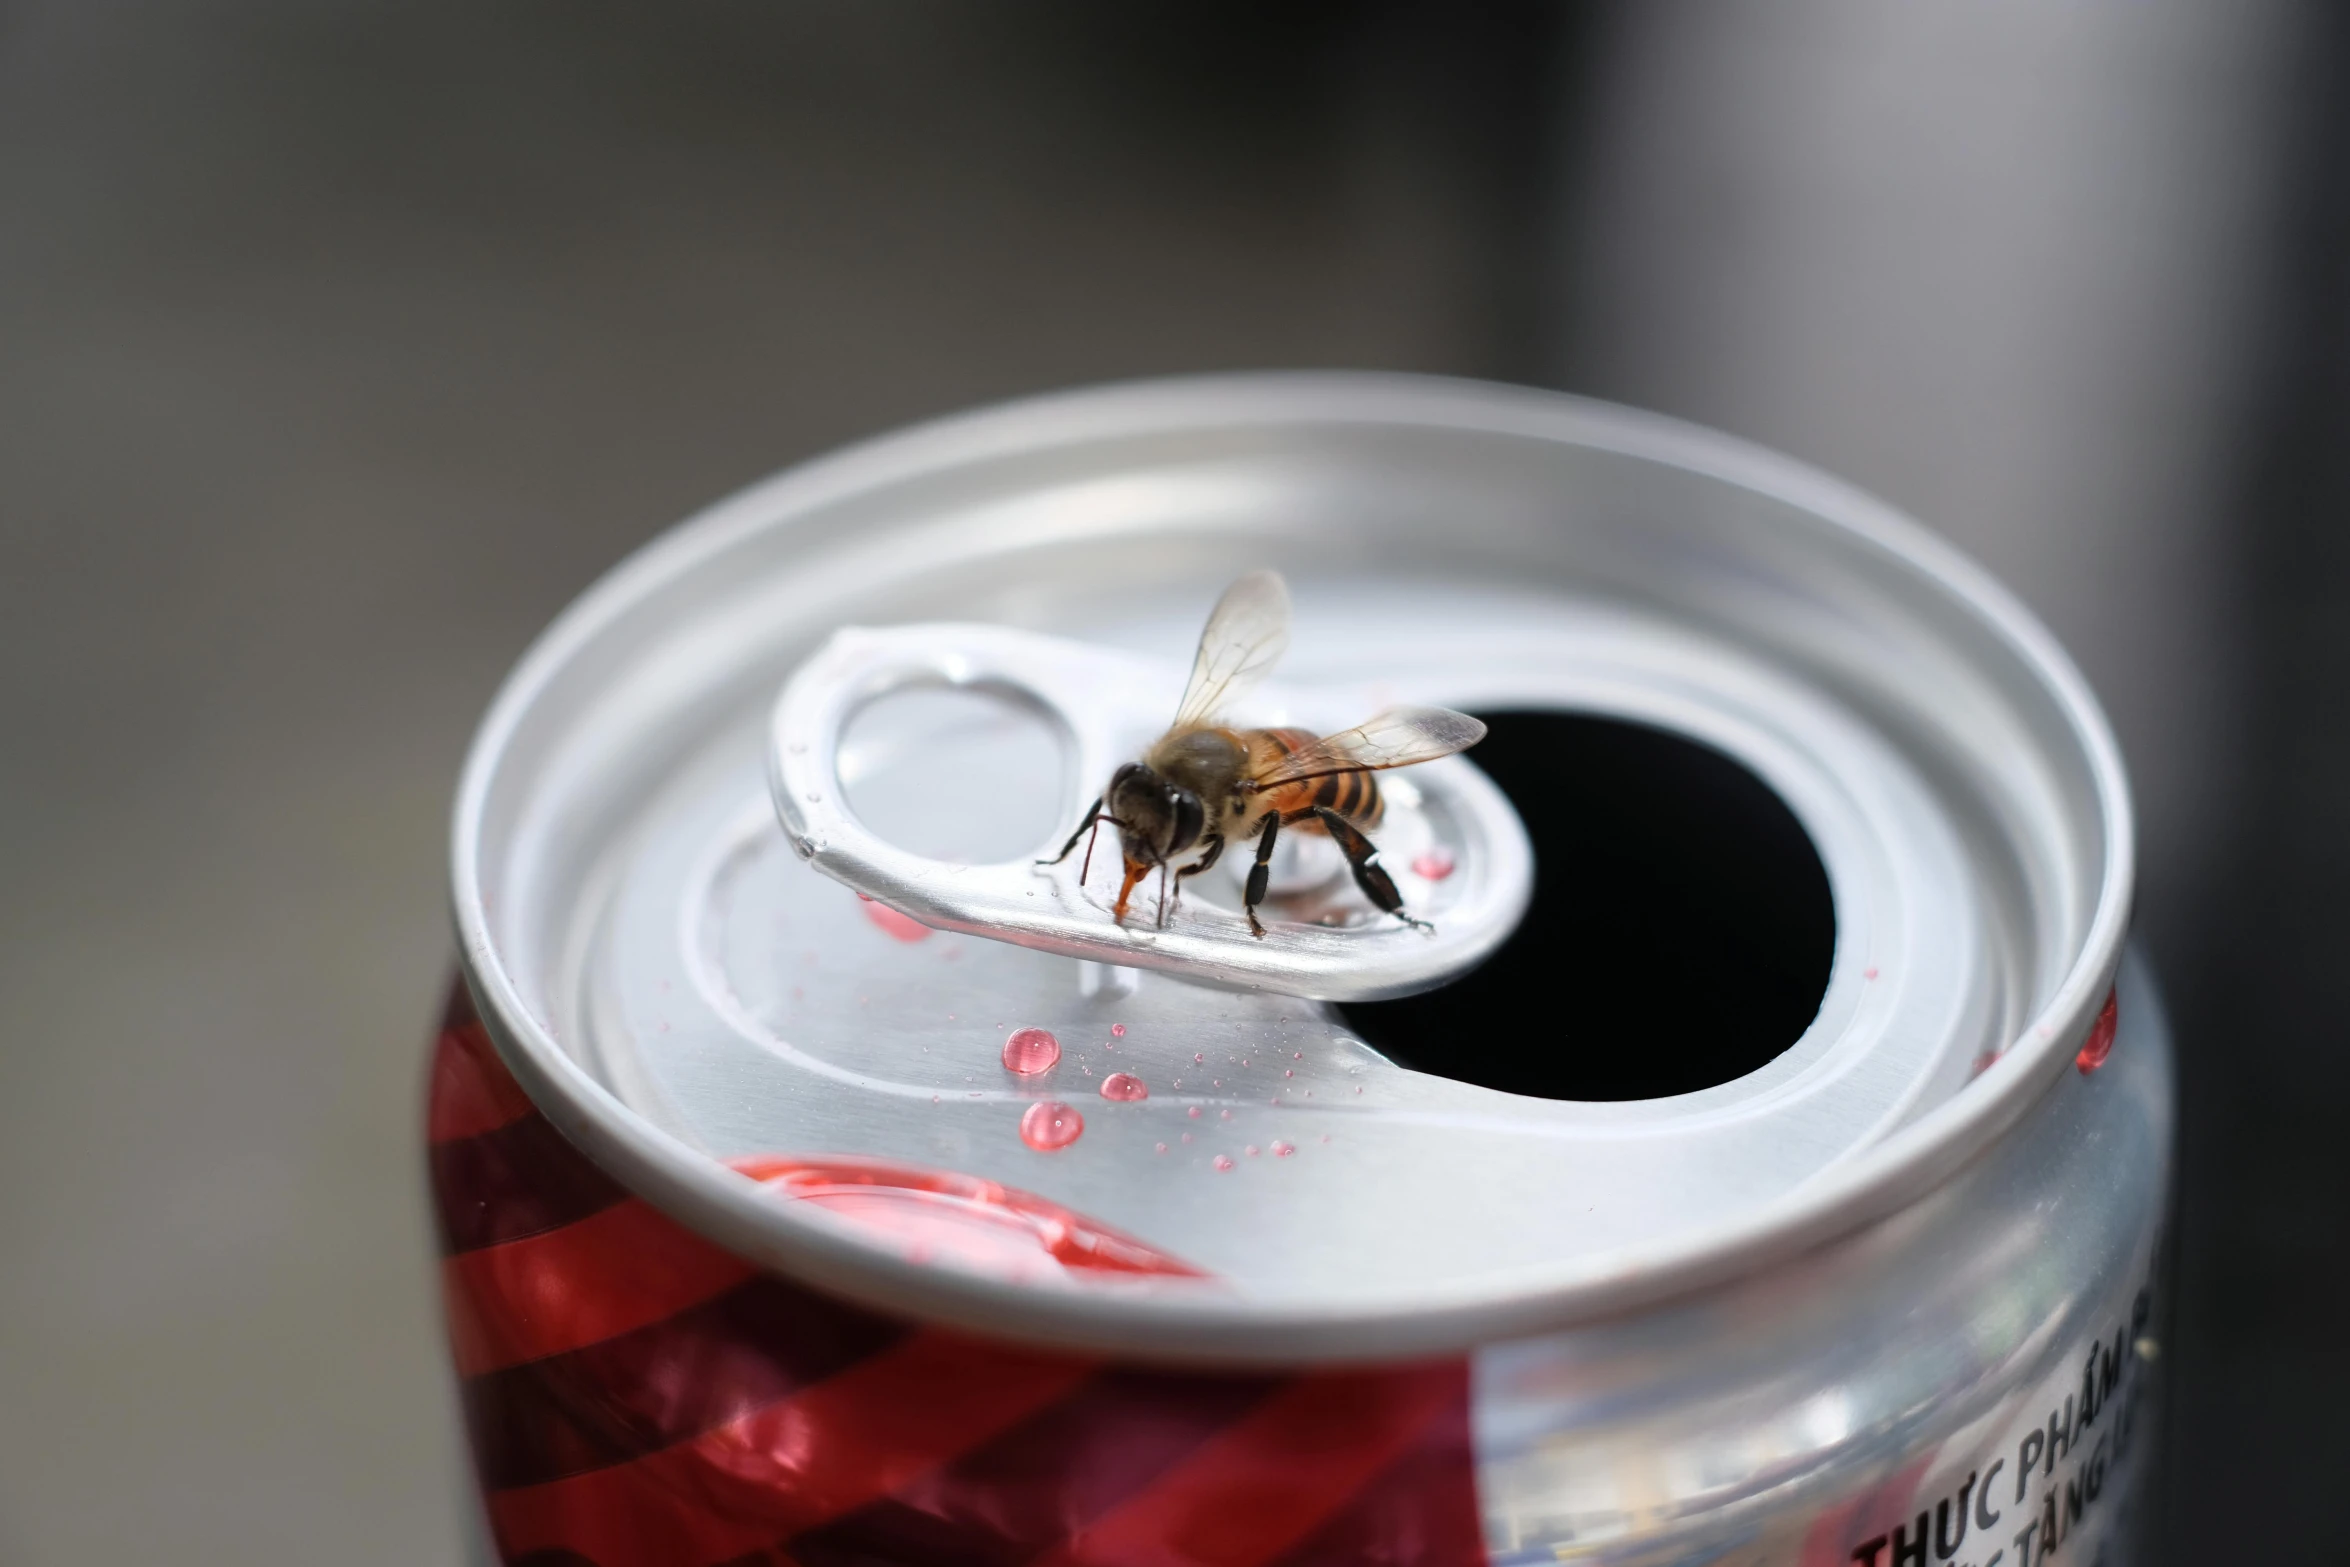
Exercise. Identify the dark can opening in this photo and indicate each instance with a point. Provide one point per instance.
(1680, 937)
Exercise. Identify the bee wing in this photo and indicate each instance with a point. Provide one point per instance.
(1397, 737)
(1245, 636)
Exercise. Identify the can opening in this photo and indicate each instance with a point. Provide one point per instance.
(1681, 932)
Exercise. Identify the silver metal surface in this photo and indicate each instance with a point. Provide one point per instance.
(677, 987)
(1324, 942)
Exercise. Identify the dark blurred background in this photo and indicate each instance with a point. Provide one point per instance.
(343, 341)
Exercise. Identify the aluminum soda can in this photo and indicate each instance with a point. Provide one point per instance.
(1787, 1188)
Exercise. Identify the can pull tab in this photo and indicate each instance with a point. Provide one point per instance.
(1448, 838)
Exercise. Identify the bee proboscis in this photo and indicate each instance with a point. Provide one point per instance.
(1203, 785)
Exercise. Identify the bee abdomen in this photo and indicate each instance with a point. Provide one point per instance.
(1353, 795)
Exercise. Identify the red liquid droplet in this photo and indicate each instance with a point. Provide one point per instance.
(1223, 1161)
(1030, 1050)
(2099, 1044)
(903, 926)
(1193, 1112)
(1125, 1087)
(1158, 1148)
(1283, 1150)
(1252, 1150)
(960, 1220)
(1048, 1126)
(1117, 1031)
(1868, 973)
(1433, 864)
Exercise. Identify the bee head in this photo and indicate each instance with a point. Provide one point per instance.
(1157, 820)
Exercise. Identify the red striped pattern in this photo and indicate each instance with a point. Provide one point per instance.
(625, 1268)
(1264, 1483)
(472, 1092)
(637, 1397)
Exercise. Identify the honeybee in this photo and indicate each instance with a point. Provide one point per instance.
(1202, 785)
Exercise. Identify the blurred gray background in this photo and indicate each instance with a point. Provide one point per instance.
(342, 341)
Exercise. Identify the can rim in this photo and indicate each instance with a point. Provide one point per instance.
(1188, 1326)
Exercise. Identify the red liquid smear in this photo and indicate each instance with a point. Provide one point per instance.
(1049, 1126)
(961, 1221)
(1030, 1050)
(1433, 864)
(1125, 1087)
(2099, 1044)
(903, 926)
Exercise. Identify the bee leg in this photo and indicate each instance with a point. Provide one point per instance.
(1162, 895)
(1092, 822)
(1261, 872)
(1362, 855)
(1215, 846)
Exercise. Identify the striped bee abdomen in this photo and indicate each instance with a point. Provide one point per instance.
(1353, 794)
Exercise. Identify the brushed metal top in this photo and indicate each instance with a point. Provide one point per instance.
(677, 987)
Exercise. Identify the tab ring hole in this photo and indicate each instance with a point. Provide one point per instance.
(964, 771)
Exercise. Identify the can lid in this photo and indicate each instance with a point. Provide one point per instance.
(685, 997)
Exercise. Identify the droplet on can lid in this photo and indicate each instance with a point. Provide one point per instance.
(2099, 1044)
(1049, 1126)
(951, 1220)
(1029, 1051)
(1433, 864)
(903, 926)
(1125, 1087)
